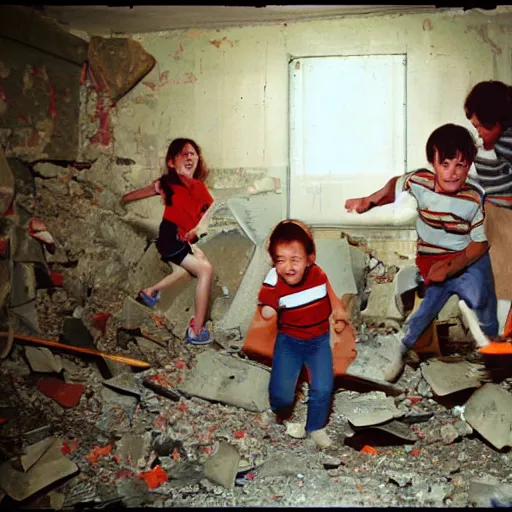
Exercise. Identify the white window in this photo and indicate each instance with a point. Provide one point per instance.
(347, 134)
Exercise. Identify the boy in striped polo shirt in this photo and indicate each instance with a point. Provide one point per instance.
(297, 290)
(452, 249)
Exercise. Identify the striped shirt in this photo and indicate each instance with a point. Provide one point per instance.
(494, 171)
(303, 309)
(447, 223)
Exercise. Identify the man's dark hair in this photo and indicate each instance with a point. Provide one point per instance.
(491, 103)
(290, 231)
(449, 140)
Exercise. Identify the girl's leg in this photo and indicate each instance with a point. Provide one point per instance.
(167, 281)
(318, 360)
(286, 364)
(197, 265)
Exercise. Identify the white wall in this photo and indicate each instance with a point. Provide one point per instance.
(228, 89)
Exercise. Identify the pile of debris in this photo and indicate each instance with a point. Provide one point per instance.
(104, 405)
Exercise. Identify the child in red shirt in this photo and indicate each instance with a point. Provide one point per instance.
(296, 289)
(188, 206)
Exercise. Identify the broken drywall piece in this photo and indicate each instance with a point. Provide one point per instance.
(406, 279)
(41, 359)
(447, 378)
(489, 412)
(378, 358)
(50, 468)
(228, 379)
(381, 305)
(124, 382)
(34, 452)
(118, 64)
(369, 409)
(223, 466)
(396, 428)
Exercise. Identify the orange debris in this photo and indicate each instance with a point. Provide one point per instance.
(154, 478)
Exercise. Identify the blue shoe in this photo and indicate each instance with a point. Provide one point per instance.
(145, 299)
(203, 337)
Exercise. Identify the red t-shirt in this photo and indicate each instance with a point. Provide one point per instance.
(189, 203)
(304, 309)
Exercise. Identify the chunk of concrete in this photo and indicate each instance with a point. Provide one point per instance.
(229, 380)
(50, 468)
(257, 214)
(282, 464)
(223, 466)
(134, 315)
(369, 409)
(26, 249)
(381, 305)
(378, 358)
(34, 452)
(131, 448)
(489, 412)
(482, 490)
(395, 428)
(124, 382)
(6, 184)
(41, 359)
(333, 257)
(118, 64)
(23, 288)
(447, 378)
(27, 317)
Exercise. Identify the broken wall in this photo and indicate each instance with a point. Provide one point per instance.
(228, 88)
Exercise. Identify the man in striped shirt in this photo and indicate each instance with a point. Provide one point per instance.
(452, 249)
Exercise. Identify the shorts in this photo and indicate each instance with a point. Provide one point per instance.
(169, 244)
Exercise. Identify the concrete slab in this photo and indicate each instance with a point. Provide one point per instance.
(397, 429)
(257, 214)
(50, 468)
(27, 317)
(244, 304)
(282, 464)
(333, 257)
(369, 409)
(124, 382)
(378, 359)
(23, 287)
(41, 359)
(34, 452)
(223, 466)
(489, 412)
(229, 380)
(447, 378)
(381, 305)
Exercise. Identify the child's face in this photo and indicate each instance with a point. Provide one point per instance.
(489, 136)
(185, 161)
(451, 173)
(291, 261)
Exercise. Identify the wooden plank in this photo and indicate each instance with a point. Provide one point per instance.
(29, 28)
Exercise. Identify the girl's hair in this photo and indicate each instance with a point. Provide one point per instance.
(171, 177)
(291, 230)
(449, 140)
(491, 103)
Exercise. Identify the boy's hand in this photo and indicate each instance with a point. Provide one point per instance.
(339, 319)
(359, 204)
(267, 312)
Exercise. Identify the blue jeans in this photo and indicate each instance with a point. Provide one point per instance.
(290, 354)
(475, 286)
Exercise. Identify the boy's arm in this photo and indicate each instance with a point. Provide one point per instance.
(442, 270)
(383, 196)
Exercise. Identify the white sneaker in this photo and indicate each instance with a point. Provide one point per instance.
(321, 439)
(473, 324)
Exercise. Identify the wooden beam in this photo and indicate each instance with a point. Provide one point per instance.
(27, 27)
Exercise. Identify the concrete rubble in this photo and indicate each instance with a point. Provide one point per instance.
(193, 427)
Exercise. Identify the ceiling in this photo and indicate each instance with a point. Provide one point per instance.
(107, 20)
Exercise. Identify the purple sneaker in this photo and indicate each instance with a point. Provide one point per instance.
(203, 337)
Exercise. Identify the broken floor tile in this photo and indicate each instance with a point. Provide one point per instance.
(67, 395)
(124, 382)
(131, 448)
(447, 378)
(41, 359)
(27, 317)
(26, 249)
(397, 429)
(118, 412)
(34, 452)
(482, 490)
(368, 409)
(489, 412)
(378, 358)
(23, 287)
(222, 467)
(229, 380)
(75, 333)
(50, 468)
